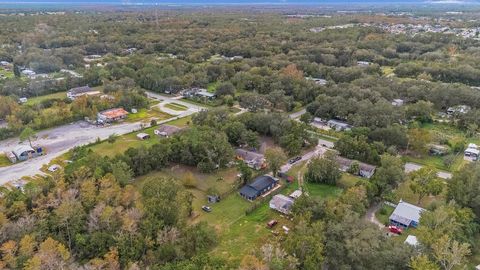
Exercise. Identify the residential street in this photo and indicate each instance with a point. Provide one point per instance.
(59, 140)
(411, 167)
(318, 151)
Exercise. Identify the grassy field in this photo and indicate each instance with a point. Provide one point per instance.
(176, 107)
(387, 70)
(182, 122)
(122, 143)
(145, 115)
(7, 74)
(403, 192)
(40, 99)
(4, 161)
(212, 87)
(384, 213)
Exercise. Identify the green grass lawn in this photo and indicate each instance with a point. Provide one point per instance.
(347, 180)
(176, 107)
(384, 213)
(40, 99)
(387, 70)
(403, 192)
(207, 104)
(147, 114)
(6, 73)
(212, 87)
(122, 143)
(4, 161)
(182, 122)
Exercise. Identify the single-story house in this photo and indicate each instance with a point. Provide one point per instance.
(112, 115)
(206, 95)
(472, 152)
(406, 215)
(258, 187)
(411, 240)
(339, 125)
(76, 92)
(166, 130)
(365, 170)
(253, 160)
(143, 136)
(281, 203)
(398, 102)
(24, 152)
(296, 194)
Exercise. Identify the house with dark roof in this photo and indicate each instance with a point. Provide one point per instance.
(365, 170)
(252, 159)
(258, 187)
(406, 215)
(76, 92)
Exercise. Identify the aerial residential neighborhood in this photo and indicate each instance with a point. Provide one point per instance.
(240, 135)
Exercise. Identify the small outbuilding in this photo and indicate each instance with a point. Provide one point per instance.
(472, 152)
(411, 240)
(143, 136)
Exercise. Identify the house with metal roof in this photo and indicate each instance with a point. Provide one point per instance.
(24, 152)
(406, 215)
(258, 187)
(472, 152)
(281, 203)
(339, 125)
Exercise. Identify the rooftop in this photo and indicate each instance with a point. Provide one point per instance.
(406, 212)
(114, 113)
(80, 90)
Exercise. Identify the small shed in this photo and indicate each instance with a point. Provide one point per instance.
(143, 136)
(296, 194)
(411, 240)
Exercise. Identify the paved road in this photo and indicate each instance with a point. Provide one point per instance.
(59, 140)
(317, 152)
(411, 167)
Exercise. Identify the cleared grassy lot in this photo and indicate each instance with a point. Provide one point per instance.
(40, 99)
(176, 107)
(4, 161)
(145, 115)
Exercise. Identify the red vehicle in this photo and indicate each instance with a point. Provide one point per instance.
(395, 229)
(272, 223)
